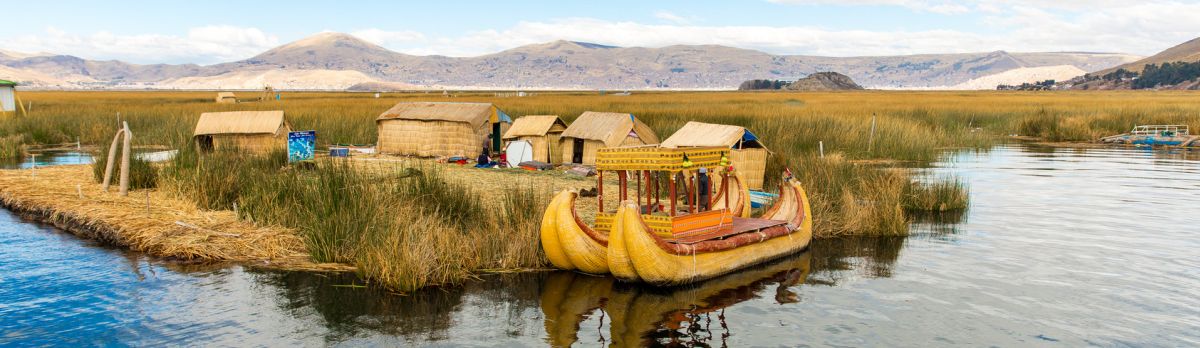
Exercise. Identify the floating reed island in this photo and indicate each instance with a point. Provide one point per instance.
(407, 222)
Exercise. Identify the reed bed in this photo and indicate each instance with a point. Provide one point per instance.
(12, 147)
(148, 221)
(401, 226)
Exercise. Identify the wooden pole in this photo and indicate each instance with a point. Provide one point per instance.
(871, 141)
(725, 188)
(639, 190)
(600, 191)
(821, 144)
(649, 204)
(623, 183)
(125, 160)
(672, 182)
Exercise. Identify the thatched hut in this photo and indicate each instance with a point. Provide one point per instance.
(543, 133)
(595, 130)
(748, 156)
(429, 129)
(226, 98)
(249, 131)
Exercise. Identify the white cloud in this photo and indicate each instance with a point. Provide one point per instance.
(209, 44)
(1139, 27)
(1019, 26)
(671, 17)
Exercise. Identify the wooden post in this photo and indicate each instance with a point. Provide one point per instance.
(649, 199)
(600, 191)
(871, 141)
(725, 188)
(639, 190)
(623, 183)
(671, 181)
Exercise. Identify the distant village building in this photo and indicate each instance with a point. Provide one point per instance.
(226, 98)
(8, 96)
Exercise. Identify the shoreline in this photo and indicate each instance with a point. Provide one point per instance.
(150, 221)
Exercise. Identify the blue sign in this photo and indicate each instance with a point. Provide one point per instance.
(301, 146)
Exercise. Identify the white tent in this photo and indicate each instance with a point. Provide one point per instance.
(518, 151)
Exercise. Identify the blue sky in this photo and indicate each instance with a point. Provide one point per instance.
(216, 31)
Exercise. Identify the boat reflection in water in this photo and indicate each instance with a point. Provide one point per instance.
(638, 315)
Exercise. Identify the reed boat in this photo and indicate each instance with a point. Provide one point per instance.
(720, 233)
(571, 244)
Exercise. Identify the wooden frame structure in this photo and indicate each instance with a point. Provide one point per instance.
(650, 166)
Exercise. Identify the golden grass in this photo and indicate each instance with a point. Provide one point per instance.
(52, 194)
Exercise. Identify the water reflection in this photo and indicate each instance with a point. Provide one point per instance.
(47, 158)
(640, 316)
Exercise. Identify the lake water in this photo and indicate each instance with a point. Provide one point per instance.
(1061, 247)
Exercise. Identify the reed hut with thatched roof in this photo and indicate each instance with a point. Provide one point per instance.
(429, 129)
(249, 131)
(543, 133)
(226, 98)
(748, 155)
(593, 131)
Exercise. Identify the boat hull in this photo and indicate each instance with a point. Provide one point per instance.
(568, 242)
(655, 261)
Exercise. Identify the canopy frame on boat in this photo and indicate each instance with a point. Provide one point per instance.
(651, 165)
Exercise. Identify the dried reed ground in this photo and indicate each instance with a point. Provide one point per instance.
(50, 194)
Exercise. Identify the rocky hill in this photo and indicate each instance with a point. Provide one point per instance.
(823, 81)
(1174, 68)
(339, 61)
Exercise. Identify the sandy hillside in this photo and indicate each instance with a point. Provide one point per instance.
(1022, 75)
(282, 79)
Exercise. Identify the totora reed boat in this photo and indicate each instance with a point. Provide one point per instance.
(678, 241)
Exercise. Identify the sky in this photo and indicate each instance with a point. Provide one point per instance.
(208, 32)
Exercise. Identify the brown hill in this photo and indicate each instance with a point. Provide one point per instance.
(1184, 52)
(552, 65)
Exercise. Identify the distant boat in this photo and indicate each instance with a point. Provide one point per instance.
(1156, 135)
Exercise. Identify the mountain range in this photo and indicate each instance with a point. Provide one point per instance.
(336, 61)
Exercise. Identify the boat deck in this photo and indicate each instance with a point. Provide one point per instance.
(739, 226)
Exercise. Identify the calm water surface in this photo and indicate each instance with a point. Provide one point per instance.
(1061, 247)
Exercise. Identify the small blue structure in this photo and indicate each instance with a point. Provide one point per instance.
(1156, 135)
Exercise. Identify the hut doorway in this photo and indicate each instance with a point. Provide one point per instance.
(496, 137)
(577, 151)
(204, 143)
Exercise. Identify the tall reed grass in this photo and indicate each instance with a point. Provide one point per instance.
(403, 227)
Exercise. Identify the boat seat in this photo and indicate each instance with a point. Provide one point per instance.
(739, 226)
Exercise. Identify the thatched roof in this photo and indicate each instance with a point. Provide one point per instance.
(240, 122)
(533, 125)
(474, 113)
(699, 134)
(611, 128)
